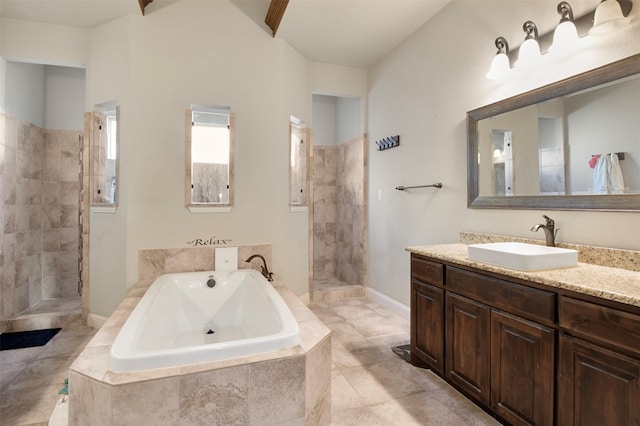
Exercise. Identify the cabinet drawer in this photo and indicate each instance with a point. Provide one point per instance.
(528, 302)
(427, 271)
(604, 325)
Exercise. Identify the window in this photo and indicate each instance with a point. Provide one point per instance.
(112, 129)
(103, 148)
(209, 156)
(298, 172)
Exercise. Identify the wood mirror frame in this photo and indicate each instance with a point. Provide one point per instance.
(605, 74)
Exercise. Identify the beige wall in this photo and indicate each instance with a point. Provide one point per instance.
(213, 55)
(422, 91)
(35, 42)
(156, 66)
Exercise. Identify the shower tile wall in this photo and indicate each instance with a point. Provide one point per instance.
(350, 212)
(338, 218)
(37, 167)
(325, 196)
(60, 219)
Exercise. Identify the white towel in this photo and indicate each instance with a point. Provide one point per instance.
(607, 175)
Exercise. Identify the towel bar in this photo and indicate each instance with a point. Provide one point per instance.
(434, 185)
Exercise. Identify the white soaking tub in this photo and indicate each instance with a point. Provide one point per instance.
(181, 320)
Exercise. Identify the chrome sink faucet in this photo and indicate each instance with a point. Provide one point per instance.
(265, 271)
(549, 229)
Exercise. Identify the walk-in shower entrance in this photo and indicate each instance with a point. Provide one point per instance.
(339, 202)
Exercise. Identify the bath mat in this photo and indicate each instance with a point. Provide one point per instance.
(26, 339)
(403, 351)
(65, 389)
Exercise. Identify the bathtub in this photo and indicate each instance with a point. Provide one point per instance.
(180, 320)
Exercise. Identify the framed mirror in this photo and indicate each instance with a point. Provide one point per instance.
(569, 145)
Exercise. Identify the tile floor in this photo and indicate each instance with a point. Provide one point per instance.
(30, 378)
(330, 289)
(370, 384)
(373, 386)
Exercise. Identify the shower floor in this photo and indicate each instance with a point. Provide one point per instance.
(332, 289)
(46, 314)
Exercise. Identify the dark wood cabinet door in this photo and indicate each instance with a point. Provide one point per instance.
(522, 370)
(427, 343)
(596, 386)
(468, 345)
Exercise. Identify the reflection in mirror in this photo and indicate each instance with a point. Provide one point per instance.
(209, 152)
(502, 161)
(574, 144)
(587, 124)
(298, 170)
(104, 154)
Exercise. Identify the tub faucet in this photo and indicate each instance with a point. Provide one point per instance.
(549, 229)
(265, 271)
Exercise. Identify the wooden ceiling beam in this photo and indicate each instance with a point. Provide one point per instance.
(275, 14)
(143, 4)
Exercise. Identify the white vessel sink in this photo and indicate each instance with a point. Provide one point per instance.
(523, 257)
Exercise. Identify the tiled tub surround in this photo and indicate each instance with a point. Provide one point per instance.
(620, 283)
(39, 203)
(286, 386)
(155, 262)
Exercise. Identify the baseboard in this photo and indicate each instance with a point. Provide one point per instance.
(305, 298)
(389, 303)
(95, 320)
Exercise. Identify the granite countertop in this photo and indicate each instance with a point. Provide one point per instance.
(616, 284)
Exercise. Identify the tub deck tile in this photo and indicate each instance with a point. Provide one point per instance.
(222, 395)
(277, 381)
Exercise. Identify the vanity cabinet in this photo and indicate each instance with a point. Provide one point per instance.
(530, 353)
(598, 366)
(522, 369)
(499, 349)
(499, 340)
(468, 350)
(427, 302)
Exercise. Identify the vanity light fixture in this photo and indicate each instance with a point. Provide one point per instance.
(529, 54)
(565, 35)
(500, 65)
(608, 17)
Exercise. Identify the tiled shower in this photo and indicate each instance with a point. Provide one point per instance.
(339, 215)
(39, 200)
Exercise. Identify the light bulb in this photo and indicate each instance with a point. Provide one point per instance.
(500, 67)
(565, 37)
(529, 54)
(607, 18)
